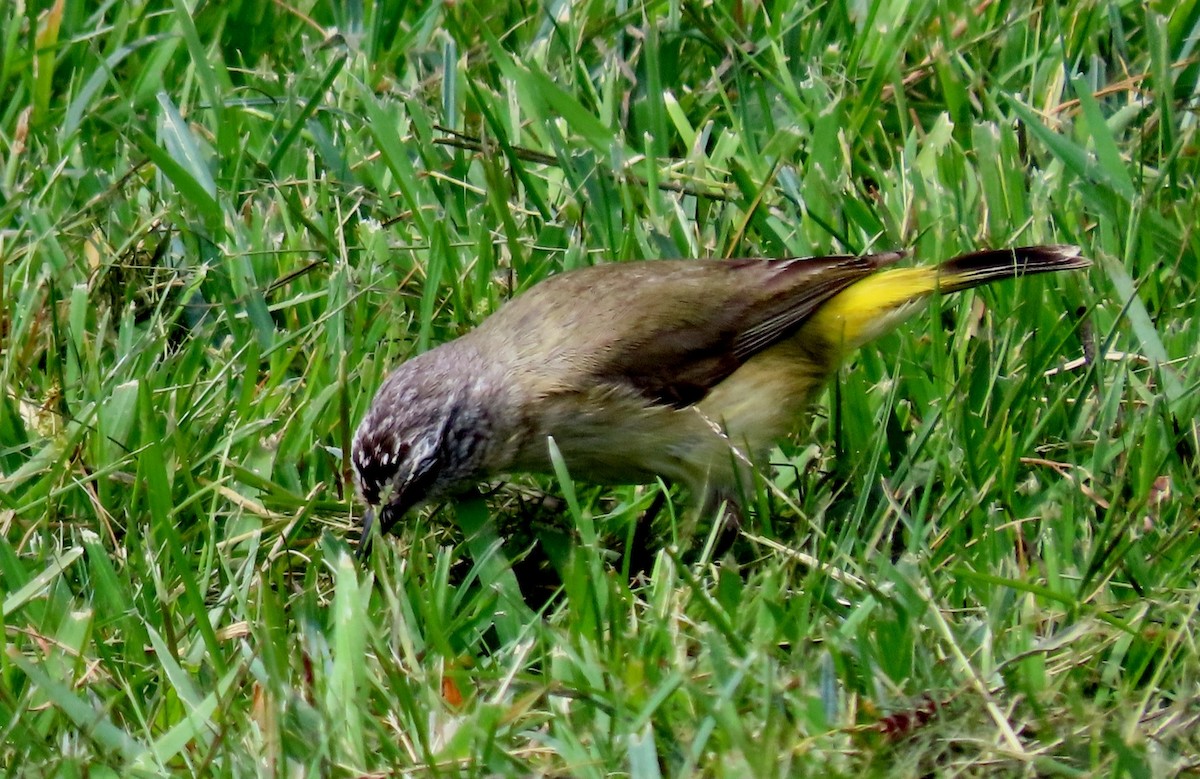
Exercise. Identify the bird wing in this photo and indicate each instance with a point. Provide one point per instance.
(670, 329)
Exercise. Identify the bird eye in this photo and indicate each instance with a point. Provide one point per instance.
(422, 472)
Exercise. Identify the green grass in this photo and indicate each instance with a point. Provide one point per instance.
(220, 226)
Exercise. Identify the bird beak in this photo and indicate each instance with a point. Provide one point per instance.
(364, 541)
(389, 510)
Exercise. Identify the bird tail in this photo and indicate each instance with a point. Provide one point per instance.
(874, 305)
(971, 270)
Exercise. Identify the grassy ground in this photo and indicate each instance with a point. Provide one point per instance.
(220, 226)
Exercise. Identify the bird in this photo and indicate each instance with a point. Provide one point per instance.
(684, 370)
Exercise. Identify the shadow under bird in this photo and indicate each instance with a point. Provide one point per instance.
(688, 370)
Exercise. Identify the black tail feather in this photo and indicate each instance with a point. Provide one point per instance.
(970, 270)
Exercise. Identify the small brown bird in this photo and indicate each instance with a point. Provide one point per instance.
(684, 369)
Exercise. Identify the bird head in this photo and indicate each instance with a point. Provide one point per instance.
(419, 442)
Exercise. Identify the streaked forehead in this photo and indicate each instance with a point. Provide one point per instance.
(377, 457)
